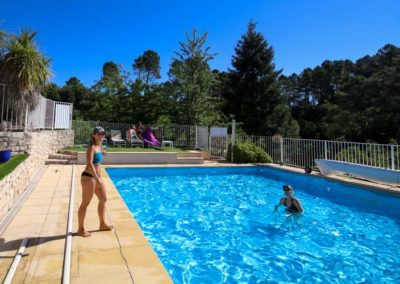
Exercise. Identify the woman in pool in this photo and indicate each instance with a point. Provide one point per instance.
(292, 204)
(92, 182)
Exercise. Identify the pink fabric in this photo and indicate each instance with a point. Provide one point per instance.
(149, 139)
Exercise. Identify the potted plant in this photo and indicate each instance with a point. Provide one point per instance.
(5, 155)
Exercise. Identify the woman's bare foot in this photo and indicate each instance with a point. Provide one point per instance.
(83, 233)
(105, 227)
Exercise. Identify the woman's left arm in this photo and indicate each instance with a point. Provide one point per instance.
(103, 151)
(297, 203)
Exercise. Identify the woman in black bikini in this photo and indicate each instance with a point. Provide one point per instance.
(92, 182)
(292, 204)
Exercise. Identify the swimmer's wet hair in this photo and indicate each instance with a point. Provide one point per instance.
(288, 186)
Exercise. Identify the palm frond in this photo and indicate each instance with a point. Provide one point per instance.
(24, 68)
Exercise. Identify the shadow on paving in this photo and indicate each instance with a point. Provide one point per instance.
(34, 241)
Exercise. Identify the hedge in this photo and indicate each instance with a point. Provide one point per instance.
(247, 153)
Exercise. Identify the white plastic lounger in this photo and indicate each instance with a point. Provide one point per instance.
(136, 141)
(116, 138)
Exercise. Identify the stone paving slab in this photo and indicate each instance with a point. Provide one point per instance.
(120, 256)
(45, 227)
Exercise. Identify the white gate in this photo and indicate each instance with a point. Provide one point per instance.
(219, 141)
(37, 115)
(63, 116)
(202, 137)
(48, 114)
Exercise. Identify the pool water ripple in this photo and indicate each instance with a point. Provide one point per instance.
(218, 226)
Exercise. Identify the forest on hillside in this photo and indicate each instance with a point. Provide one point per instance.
(337, 100)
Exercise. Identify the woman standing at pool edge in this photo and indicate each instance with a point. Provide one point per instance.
(292, 204)
(92, 182)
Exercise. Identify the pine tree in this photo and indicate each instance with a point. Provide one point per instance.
(253, 91)
(147, 66)
(192, 81)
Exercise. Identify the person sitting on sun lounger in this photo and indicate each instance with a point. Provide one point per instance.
(132, 133)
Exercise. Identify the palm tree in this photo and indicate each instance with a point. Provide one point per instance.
(3, 40)
(23, 68)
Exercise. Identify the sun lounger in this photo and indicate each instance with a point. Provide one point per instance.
(116, 138)
(135, 140)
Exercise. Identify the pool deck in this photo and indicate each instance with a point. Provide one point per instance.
(120, 256)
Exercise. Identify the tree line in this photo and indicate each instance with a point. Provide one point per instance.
(338, 100)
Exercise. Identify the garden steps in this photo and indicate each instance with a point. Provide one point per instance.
(189, 154)
(62, 158)
(190, 157)
(58, 162)
(68, 152)
(190, 160)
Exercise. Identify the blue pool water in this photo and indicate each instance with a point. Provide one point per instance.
(217, 225)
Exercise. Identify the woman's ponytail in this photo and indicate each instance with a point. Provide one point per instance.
(92, 140)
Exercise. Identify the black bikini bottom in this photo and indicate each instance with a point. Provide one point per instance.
(86, 174)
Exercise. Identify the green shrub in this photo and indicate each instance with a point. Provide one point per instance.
(244, 153)
(262, 156)
(247, 153)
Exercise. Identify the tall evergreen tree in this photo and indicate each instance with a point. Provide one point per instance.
(192, 81)
(253, 92)
(112, 92)
(147, 66)
(342, 100)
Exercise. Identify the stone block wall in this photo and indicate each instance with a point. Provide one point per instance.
(38, 145)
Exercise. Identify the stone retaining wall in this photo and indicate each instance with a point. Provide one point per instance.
(38, 145)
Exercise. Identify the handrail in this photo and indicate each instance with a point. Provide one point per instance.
(14, 265)
(66, 274)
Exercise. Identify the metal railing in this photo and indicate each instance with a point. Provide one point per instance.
(180, 135)
(289, 151)
(46, 114)
(218, 146)
(268, 143)
(303, 152)
(13, 114)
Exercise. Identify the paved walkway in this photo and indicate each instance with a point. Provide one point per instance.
(119, 256)
(43, 219)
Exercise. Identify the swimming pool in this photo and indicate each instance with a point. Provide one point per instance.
(217, 224)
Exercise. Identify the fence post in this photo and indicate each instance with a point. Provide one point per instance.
(26, 118)
(209, 144)
(325, 150)
(71, 111)
(233, 137)
(54, 115)
(392, 155)
(2, 101)
(281, 144)
(196, 144)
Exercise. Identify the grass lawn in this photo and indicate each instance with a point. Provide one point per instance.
(129, 149)
(9, 166)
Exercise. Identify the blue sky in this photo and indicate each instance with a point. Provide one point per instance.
(80, 36)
